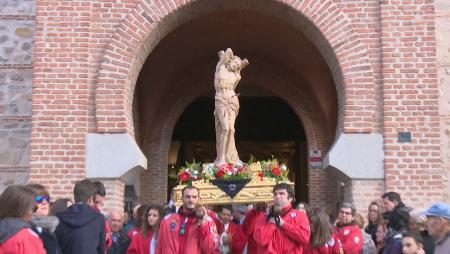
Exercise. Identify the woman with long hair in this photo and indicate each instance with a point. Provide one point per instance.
(374, 216)
(147, 236)
(323, 240)
(17, 206)
(43, 224)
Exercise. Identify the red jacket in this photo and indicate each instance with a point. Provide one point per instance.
(334, 246)
(248, 228)
(351, 238)
(197, 239)
(133, 231)
(23, 242)
(292, 237)
(140, 244)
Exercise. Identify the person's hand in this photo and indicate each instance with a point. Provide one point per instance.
(421, 251)
(201, 210)
(272, 220)
(281, 221)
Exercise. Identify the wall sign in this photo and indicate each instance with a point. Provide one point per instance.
(315, 159)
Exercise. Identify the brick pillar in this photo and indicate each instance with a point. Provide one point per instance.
(115, 194)
(365, 191)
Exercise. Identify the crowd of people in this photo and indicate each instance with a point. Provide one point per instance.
(31, 223)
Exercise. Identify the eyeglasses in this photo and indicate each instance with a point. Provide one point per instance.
(40, 199)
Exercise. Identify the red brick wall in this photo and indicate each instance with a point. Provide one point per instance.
(411, 100)
(89, 53)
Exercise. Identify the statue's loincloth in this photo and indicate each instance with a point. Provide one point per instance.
(226, 106)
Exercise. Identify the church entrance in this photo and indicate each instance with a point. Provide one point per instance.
(289, 102)
(266, 126)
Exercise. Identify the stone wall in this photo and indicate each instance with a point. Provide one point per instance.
(443, 65)
(17, 22)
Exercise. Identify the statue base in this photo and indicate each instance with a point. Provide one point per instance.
(256, 191)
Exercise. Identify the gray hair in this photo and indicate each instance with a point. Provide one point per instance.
(348, 205)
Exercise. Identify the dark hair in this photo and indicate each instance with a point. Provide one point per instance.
(189, 187)
(38, 189)
(145, 226)
(83, 190)
(140, 212)
(348, 205)
(17, 202)
(321, 231)
(284, 186)
(100, 188)
(228, 207)
(393, 196)
(59, 205)
(414, 235)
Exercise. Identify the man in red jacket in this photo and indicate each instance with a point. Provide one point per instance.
(188, 230)
(285, 229)
(348, 231)
(231, 237)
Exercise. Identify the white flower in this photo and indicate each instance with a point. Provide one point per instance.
(195, 172)
(283, 167)
(187, 170)
(229, 173)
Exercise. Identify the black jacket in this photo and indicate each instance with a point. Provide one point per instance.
(120, 246)
(45, 227)
(81, 229)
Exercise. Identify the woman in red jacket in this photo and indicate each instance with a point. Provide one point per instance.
(145, 240)
(16, 237)
(323, 240)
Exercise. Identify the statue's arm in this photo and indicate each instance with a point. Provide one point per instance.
(224, 56)
(244, 63)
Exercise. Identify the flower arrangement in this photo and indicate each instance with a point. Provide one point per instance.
(225, 171)
(190, 172)
(273, 169)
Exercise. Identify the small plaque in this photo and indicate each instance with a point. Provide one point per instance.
(315, 159)
(404, 137)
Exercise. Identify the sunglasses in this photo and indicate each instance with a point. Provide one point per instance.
(40, 199)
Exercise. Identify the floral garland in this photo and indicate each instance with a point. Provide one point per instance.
(268, 169)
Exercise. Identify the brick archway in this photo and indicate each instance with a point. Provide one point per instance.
(147, 23)
(145, 26)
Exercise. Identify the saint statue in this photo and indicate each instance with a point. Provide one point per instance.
(226, 78)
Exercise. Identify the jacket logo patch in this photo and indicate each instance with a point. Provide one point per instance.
(293, 215)
(346, 232)
(173, 225)
(357, 240)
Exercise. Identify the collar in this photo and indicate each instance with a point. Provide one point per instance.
(340, 225)
(186, 213)
(287, 209)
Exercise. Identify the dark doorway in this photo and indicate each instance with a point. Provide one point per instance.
(265, 126)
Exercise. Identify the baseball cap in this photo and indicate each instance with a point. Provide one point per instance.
(439, 210)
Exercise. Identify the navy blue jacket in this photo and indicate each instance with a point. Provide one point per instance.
(81, 229)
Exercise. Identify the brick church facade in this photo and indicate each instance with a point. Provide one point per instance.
(95, 89)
